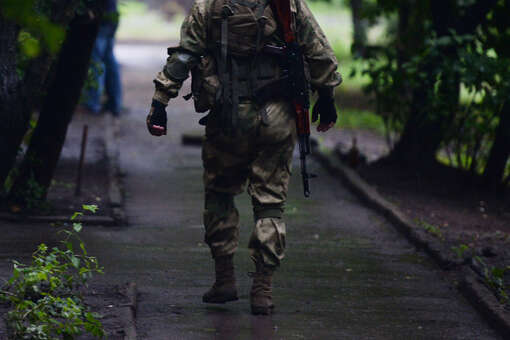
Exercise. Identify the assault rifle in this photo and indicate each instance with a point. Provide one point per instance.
(296, 83)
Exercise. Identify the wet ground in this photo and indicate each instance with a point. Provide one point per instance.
(347, 275)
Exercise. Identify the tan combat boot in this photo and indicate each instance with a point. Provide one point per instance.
(261, 299)
(224, 288)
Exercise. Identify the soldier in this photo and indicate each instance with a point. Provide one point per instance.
(250, 128)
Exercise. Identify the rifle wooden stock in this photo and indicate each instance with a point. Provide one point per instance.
(297, 83)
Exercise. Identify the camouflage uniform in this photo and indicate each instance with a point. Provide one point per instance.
(259, 153)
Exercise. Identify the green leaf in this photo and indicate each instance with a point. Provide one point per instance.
(90, 207)
(69, 246)
(42, 248)
(76, 215)
(76, 262)
(82, 246)
(77, 227)
(29, 45)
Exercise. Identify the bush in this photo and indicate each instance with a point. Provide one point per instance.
(45, 296)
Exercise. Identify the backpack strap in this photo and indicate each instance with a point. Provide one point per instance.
(262, 4)
(223, 70)
(260, 21)
(246, 3)
(235, 93)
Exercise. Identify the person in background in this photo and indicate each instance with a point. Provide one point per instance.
(104, 67)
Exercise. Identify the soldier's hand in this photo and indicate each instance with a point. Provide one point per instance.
(156, 119)
(326, 110)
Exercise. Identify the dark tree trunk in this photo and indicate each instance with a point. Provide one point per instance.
(19, 97)
(419, 142)
(57, 110)
(360, 28)
(420, 139)
(17, 109)
(496, 165)
(424, 131)
(12, 111)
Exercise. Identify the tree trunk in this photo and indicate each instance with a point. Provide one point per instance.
(496, 165)
(359, 28)
(12, 118)
(63, 95)
(19, 96)
(419, 142)
(423, 131)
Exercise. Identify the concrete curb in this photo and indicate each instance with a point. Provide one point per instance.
(128, 312)
(86, 219)
(115, 190)
(485, 302)
(480, 296)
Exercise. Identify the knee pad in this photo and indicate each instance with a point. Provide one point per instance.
(267, 211)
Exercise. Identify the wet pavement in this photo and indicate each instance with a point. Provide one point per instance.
(347, 274)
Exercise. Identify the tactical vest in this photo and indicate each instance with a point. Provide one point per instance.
(237, 32)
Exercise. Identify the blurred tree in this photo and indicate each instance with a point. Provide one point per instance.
(63, 94)
(25, 25)
(35, 75)
(438, 46)
(359, 27)
(498, 37)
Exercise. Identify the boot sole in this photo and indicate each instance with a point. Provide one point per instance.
(220, 300)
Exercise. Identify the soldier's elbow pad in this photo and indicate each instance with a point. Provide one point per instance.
(179, 65)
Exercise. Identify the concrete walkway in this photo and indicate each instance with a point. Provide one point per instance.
(348, 274)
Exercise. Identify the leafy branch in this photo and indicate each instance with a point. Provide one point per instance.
(45, 297)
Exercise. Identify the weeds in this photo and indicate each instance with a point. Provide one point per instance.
(45, 297)
(431, 229)
(494, 278)
(460, 251)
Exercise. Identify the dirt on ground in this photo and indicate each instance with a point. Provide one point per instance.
(471, 225)
(62, 198)
(94, 182)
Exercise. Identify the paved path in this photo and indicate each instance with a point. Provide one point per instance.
(348, 274)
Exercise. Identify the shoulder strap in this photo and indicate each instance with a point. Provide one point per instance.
(246, 3)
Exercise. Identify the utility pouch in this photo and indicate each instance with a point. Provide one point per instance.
(205, 84)
(249, 24)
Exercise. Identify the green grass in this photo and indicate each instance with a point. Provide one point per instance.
(356, 119)
(138, 22)
(336, 22)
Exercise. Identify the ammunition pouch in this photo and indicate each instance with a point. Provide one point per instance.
(245, 24)
(205, 84)
(246, 60)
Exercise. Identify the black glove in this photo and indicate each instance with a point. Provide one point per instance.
(156, 120)
(325, 107)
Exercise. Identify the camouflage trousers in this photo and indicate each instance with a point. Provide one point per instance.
(258, 156)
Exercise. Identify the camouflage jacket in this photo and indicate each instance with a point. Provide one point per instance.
(318, 53)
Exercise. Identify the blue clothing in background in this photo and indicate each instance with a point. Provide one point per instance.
(105, 67)
(111, 6)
